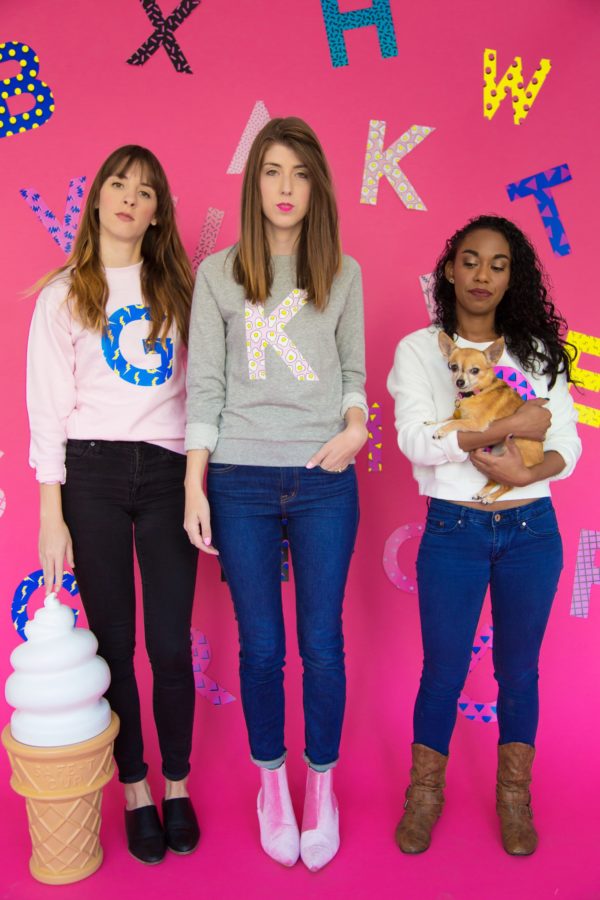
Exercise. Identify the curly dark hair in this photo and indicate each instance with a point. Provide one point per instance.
(534, 330)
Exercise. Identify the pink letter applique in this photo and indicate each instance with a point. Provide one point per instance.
(263, 331)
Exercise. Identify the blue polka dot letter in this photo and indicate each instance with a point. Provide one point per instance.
(25, 83)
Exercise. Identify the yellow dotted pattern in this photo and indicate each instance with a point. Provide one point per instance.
(523, 97)
(586, 343)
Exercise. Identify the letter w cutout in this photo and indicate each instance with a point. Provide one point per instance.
(263, 331)
(512, 80)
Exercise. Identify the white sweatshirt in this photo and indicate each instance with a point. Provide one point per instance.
(423, 391)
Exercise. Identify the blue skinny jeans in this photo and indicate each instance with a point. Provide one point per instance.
(247, 506)
(518, 553)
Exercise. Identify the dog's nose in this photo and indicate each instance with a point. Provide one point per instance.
(460, 382)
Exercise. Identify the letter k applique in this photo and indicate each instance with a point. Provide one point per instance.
(264, 331)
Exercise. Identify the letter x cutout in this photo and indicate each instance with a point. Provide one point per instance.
(163, 34)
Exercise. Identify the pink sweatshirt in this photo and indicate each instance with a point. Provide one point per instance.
(90, 385)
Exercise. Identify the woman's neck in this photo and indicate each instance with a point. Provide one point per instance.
(282, 241)
(119, 254)
(476, 329)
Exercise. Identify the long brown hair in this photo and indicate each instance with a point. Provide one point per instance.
(318, 256)
(167, 279)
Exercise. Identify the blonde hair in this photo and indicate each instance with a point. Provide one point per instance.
(319, 255)
(167, 279)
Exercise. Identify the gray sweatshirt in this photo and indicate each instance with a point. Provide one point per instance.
(270, 385)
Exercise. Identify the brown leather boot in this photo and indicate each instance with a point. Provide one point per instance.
(424, 799)
(513, 800)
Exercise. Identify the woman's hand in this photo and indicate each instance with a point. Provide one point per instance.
(338, 453)
(197, 519)
(55, 546)
(532, 420)
(508, 468)
(54, 543)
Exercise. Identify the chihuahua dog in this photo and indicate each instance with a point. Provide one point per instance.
(481, 399)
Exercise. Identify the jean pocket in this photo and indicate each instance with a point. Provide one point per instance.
(221, 468)
(443, 523)
(78, 449)
(543, 525)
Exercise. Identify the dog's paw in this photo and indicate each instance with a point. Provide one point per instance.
(440, 433)
(428, 423)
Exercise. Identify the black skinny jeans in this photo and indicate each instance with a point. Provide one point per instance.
(118, 493)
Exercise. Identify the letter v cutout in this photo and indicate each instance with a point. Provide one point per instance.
(262, 331)
(62, 233)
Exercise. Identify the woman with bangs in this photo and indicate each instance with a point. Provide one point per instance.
(106, 396)
(276, 401)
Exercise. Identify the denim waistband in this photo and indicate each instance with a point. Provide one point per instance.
(517, 514)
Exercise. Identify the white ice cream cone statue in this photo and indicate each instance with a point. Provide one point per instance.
(60, 742)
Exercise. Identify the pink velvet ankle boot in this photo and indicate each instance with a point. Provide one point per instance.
(320, 838)
(279, 834)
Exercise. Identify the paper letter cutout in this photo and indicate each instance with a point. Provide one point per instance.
(540, 186)
(479, 712)
(62, 233)
(2, 495)
(512, 80)
(375, 426)
(262, 332)
(587, 573)
(426, 282)
(585, 343)
(24, 591)
(162, 36)
(336, 22)
(201, 657)
(390, 556)
(258, 119)
(380, 162)
(25, 82)
(208, 235)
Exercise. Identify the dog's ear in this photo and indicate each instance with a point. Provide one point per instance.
(447, 345)
(494, 351)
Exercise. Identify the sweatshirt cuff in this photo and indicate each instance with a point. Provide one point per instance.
(51, 475)
(200, 436)
(449, 445)
(568, 454)
(354, 398)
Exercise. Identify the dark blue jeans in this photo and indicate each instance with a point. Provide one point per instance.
(119, 493)
(518, 553)
(247, 505)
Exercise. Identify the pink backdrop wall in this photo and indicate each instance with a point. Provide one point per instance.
(276, 51)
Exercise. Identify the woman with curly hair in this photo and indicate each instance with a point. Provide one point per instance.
(488, 284)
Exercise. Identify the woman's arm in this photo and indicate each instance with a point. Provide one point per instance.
(197, 511)
(531, 421)
(51, 398)
(337, 453)
(509, 468)
(55, 543)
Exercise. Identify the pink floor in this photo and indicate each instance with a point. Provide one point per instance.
(465, 861)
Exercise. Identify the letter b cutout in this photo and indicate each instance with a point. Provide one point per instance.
(25, 82)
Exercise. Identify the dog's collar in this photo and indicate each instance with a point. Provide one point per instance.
(463, 395)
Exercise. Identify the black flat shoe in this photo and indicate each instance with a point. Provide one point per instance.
(181, 825)
(145, 835)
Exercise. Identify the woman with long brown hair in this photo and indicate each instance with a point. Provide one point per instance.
(106, 395)
(276, 399)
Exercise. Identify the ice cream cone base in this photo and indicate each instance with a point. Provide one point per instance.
(63, 791)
